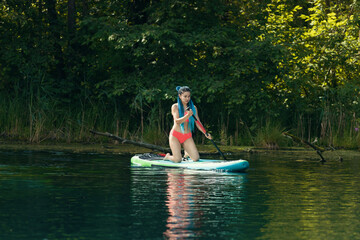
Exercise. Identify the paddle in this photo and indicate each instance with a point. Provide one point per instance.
(203, 128)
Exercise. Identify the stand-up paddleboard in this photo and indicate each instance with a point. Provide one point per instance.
(154, 160)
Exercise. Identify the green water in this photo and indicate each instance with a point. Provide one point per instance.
(54, 195)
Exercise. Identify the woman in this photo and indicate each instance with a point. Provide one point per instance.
(181, 132)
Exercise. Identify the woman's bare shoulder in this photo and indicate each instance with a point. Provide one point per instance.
(175, 110)
(174, 106)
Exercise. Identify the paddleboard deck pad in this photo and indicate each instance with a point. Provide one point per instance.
(154, 160)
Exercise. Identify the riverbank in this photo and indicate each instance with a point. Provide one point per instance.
(105, 147)
(208, 149)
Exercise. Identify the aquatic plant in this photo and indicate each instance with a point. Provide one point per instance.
(270, 136)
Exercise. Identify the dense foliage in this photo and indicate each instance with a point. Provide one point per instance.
(113, 65)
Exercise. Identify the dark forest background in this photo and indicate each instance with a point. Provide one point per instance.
(256, 68)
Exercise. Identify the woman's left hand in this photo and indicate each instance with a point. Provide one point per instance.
(208, 135)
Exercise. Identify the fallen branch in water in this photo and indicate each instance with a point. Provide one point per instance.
(140, 144)
(318, 150)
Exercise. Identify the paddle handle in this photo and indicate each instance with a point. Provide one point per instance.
(218, 149)
(205, 132)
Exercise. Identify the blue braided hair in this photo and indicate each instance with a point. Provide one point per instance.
(180, 91)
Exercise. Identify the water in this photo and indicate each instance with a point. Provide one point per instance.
(54, 195)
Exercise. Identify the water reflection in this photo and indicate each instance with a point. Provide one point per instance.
(181, 205)
(193, 197)
(309, 200)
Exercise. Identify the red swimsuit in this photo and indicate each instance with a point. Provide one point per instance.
(182, 137)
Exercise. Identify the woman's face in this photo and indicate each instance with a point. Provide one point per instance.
(185, 97)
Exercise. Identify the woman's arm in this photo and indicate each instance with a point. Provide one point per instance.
(177, 119)
(200, 126)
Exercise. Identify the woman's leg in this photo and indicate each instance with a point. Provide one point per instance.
(175, 149)
(186, 155)
(190, 148)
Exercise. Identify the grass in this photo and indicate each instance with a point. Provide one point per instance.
(348, 140)
(35, 123)
(270, 136)
(154, 135)
(38, 123)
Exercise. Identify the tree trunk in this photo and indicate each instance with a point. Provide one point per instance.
(85, 8)
(71, 17)
(54, 29)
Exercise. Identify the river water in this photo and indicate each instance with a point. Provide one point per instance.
(57, 195)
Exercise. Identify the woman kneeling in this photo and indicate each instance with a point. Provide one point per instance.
(181, 132)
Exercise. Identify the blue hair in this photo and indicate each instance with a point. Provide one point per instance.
(181, 90)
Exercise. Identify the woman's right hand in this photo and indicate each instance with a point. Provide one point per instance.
(208, 136)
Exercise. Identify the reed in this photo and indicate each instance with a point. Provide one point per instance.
(347, 141)
(243, 135)
(36, 122)
(12, 118)
(346, 135)
(270, 136)
(155, 135)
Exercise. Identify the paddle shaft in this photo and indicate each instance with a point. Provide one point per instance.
(202, 127)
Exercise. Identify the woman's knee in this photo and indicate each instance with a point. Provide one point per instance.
(176, 159)
(176, 156)
(195, 158)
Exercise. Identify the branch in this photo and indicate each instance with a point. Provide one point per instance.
(318, 150)
(140, 144)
